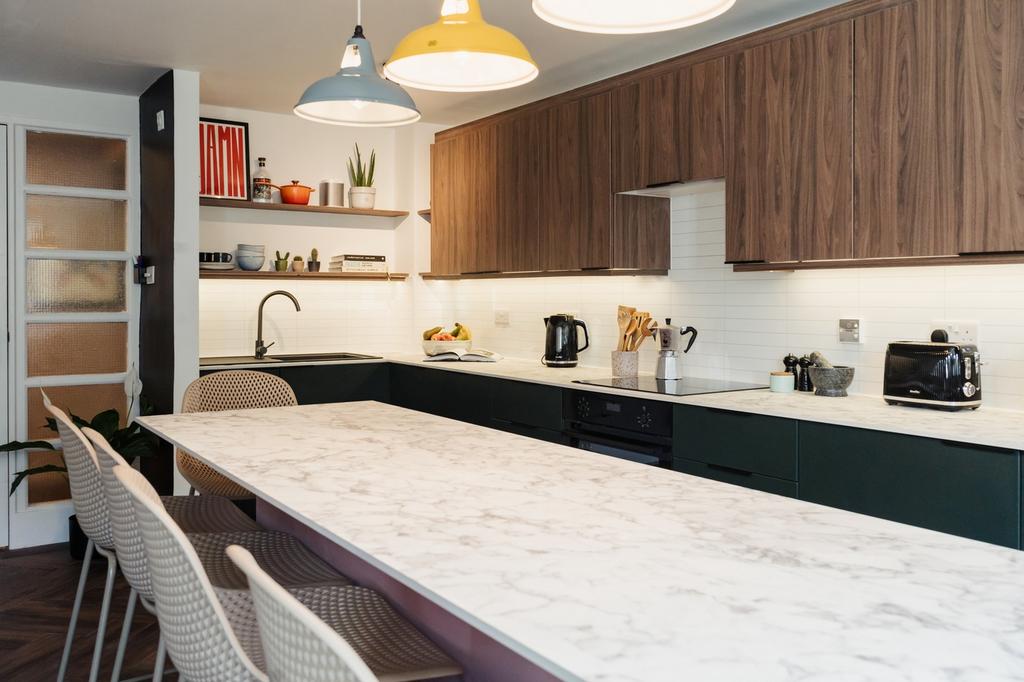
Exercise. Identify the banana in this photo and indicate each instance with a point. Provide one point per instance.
(463, 332)
(430, 332)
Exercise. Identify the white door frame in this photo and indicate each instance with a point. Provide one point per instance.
(5, 191)
(46, 523)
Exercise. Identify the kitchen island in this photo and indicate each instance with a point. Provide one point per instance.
(593, 568)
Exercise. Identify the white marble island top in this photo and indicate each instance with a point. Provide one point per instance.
(600, 569)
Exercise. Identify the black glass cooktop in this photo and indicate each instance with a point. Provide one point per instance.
(687, 386)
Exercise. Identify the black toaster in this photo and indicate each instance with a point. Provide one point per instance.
(944, 376)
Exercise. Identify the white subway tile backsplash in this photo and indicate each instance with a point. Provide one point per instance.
(747, 321)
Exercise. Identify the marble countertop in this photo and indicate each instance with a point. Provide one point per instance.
(986, 426)
(596, 568)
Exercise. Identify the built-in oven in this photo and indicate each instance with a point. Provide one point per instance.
(628, 428)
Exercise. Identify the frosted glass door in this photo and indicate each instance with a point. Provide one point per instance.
(75, 333)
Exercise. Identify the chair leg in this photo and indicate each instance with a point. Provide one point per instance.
(74, 611)
(191, 490)
(126, 628)
(101, 630)
(161, 656)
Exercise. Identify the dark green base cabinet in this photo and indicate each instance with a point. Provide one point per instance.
(745, 449)
(517, 407)
(964, 490)
(315, 384)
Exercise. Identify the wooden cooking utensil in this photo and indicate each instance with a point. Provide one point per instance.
(634, 322)
(647, 328)
(637, 336)
(623, 318)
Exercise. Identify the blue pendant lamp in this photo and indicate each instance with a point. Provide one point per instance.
(357, 95)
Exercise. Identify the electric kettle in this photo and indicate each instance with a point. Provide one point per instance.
(561, 345)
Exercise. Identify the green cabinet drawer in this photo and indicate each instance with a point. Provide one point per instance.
(525, 404)
(448, 394)
(738, 440)
(955, 488)
(315, 384)
(765, 484)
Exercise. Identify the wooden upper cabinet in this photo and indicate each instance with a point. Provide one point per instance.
(476, 193)
(660, 128)
(629, 161)
(596, 188)
(442, 227)
(993, 127)
(560, 189)
(907, 125)
(790, 149)
(702, 121)
(521, 143)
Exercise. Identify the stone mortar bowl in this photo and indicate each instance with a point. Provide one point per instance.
(831, 382)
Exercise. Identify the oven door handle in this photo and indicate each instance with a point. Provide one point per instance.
(639, 446)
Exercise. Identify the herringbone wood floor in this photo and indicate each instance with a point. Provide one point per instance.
(36, 595)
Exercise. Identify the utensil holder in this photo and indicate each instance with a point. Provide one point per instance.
(625, 363)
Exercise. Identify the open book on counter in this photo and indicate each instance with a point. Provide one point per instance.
(461, 354)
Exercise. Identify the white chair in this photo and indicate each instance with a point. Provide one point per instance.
(298, 646)
(212, 634)
(89, 500)
(199, 637)
(229, 390)
(289, 560)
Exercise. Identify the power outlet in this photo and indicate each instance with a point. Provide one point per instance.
(959, 331)
(501, 318)
(160, 124)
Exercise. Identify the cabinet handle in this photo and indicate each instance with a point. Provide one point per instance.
(991, 253)
(970, 446)
(656, 185)
(720, 410)
(730, 470)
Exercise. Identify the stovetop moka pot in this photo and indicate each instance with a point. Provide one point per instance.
(561, 344)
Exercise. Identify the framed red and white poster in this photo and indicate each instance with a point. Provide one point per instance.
(223, 159)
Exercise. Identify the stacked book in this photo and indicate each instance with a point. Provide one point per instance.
(358, 263)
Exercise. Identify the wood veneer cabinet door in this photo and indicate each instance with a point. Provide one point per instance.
(661, 128)
(521, 141)
(702, 120)
(442, 226)
(822, 141)
(789, 183)
(993, 127)
(560, 189)
(475, 204)
(596, 186)
(640, 232)
(629, 167)
(907, 126)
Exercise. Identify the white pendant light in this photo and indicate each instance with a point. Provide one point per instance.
(461, 52)
(357, 95)
(637, 16)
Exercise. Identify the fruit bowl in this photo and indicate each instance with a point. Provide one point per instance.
(438, 347)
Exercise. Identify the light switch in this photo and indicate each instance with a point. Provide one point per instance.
(501, 318)
(849, 330)
(160, 120)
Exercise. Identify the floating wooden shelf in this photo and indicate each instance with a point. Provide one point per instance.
(559, 273)
(425, 214)
(271, 274)
(252, 205)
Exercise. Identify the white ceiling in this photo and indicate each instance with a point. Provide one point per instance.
(261, 54)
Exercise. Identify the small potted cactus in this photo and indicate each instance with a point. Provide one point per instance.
(298, 265)
(314, 261)
(281, 262)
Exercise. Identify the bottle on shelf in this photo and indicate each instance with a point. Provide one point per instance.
(262, 190)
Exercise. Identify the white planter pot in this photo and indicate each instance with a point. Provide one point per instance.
(362, 197)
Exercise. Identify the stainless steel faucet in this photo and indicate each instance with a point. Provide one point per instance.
(261, 350)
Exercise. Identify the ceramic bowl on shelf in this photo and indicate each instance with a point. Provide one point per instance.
(437, 347)
(250, 262)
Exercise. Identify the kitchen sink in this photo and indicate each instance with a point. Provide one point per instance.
(283, 359)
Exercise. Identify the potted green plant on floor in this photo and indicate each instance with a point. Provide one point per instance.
(314, 261)
(362, 193)
(130, 441)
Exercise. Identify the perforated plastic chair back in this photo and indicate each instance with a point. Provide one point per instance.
(87, 494)
(298, 646)
(199, 637)
(131, 553)
(229, 390)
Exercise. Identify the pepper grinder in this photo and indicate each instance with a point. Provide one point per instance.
(791, 361)
(804, 382)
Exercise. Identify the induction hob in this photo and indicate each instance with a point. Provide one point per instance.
(676, 387)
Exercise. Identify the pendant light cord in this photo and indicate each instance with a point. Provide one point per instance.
(359, 12)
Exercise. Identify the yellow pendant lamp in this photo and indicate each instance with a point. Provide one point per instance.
(619, 16)
(461, 53)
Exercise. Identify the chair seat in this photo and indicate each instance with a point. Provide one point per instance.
(282, 556)
(207, 514)
(390, 645)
